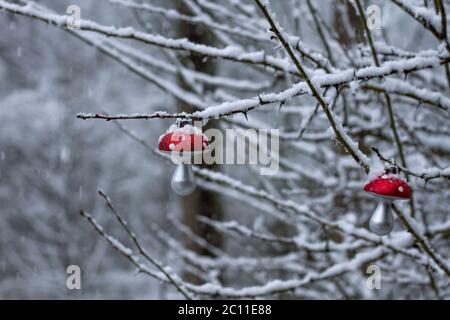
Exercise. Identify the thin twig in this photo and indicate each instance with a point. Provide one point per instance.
(341, 136)
(427, 175)
(142, 251)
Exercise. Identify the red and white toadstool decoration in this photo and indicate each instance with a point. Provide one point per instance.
(183, 141)
(388, 187)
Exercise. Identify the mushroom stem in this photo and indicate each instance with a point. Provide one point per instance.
(382, 220)
(183, 180)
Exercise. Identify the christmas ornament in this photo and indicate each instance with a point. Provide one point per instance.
(387, 187)
(183, 142)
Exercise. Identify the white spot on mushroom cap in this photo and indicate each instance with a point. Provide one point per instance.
(171, 146)
(400, 189)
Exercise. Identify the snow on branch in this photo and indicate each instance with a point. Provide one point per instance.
(314, 90)
(423, 15)
(210, 80)
(317, 247)
(300, 88)
(287, 207)
(196, 20)
(136, 116)
(302, 232)
(228, 53)
(122, 249)
(128, 252)
(406, 89)
(426, 173)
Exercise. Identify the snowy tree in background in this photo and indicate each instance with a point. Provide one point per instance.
(349, 95)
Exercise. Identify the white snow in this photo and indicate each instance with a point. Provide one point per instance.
(277, 229)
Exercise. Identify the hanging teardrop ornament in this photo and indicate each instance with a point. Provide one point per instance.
(387, 187)
(382, 221)
(183, 141)
(183, 180)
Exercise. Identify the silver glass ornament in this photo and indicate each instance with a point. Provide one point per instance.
(382, 221)
(183, 180)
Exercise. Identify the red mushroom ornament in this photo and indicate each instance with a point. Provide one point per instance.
(387, 187)
(183, 142)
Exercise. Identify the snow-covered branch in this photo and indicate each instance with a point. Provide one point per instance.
(346, 110)
(229, 53)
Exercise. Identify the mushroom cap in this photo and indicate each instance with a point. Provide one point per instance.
(389, 186)
(182, 141)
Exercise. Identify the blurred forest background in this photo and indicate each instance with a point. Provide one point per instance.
(52, 163)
